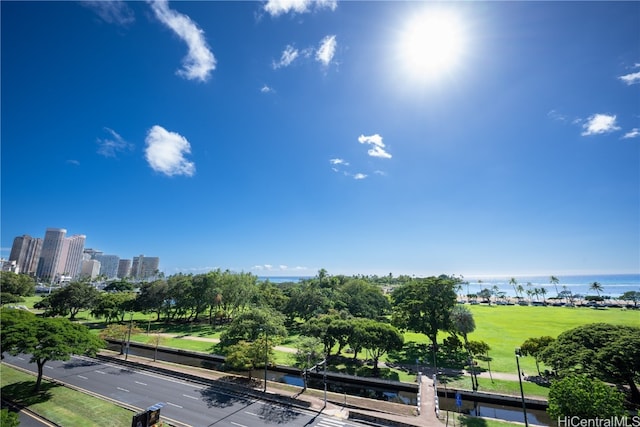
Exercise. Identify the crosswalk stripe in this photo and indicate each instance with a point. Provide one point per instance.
(330, 423)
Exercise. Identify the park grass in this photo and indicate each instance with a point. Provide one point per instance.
(61, 405)
(499, 386)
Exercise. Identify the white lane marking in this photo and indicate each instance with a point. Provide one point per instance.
(101, 372)
(138, 382)
(239, 425)
(83, 377)
(49, 367)
(330, 422)
(190, 397)
(20, 358)
(173, 404)
(251, 413)
(122, 389)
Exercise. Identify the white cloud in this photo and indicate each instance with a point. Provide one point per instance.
(199, 62)
(289, 55)
(267, 89)
(359, 176)
(113, 144)
(555, 115)
(338, 162)
(326, 51)
(280, 7)
(633, 133)
(379, 172)
(113, 12)
(600, 123)
(631, 78)
(378, 146)
(73, 162)
(165, 152)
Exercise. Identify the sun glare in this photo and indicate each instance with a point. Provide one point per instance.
(431, 45)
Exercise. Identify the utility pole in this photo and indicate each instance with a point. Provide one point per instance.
(524, 406)
(266, 357)
(325, 380)
(126, 355)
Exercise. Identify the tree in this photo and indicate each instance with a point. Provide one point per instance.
(45, 339)
(633, 296)
(250, 325)
(607, 352)
(120, 332)
(479, 349)
(554, 281)
(513, 282)
(17, 284)
(595, 286)
(485, 294)
(113, 306)
(119, 286)
(424, 306)
(363, 299)
(462, 322)
(155, 340)
(152, 297)
(309, 352)
(381, 338)
(249, 355)
(534, 346)
(584, 397)
(8, 418)
(69, 300)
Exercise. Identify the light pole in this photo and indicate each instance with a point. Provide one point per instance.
(129, 335)
(266, 357)
(326, 356)
(524, 406)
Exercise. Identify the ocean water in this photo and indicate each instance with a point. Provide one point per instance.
(613, 285)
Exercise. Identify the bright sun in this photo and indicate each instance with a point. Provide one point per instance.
(431, 45)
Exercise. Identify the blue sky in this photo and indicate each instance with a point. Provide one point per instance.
(361, 137)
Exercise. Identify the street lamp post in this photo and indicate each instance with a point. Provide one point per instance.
(126, 355)
(266, 357)
(524, 406)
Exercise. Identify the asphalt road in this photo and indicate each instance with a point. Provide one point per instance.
(185, 404)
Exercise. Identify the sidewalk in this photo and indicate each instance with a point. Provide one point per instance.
(342, 406)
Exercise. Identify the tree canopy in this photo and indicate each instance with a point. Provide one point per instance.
(608, 352)
(44, 339)
(584, 397)
(69, 300)
(424, 305)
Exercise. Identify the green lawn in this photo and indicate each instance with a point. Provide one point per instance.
(59, 404)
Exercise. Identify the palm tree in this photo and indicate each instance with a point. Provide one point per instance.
(543, 292)
(513, 282)
(554, 281)
(519, 291)
(463, 322)
(595, 286)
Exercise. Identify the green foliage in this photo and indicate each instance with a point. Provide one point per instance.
(584, 397)
(250, 325)
(152, 297)
(309, 351)
(604, 351)
(119, 286)
(17, 284)
(44, 338)
(7, 298)
(633, 296)
(69, 300)
(424, 305)
(363, 299)
(9, 419)
(534, 347)
(113, 306)
(120, 332)
(462, 321)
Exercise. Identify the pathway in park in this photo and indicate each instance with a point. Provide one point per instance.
(494, 375)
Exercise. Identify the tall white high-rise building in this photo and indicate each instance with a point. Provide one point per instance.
(70, 262)
(50, 254)
(124, 268)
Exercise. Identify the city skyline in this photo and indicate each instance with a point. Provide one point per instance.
(279, 138)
